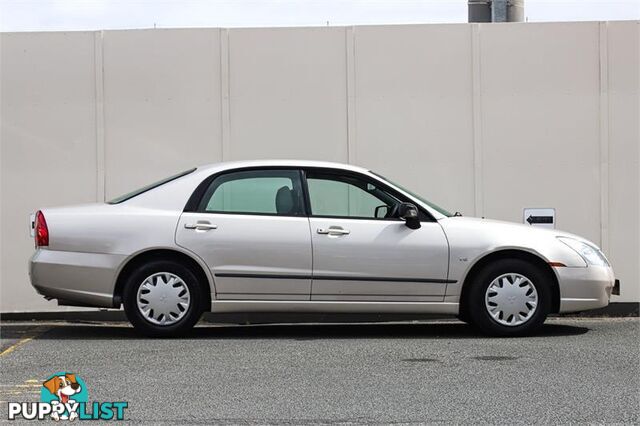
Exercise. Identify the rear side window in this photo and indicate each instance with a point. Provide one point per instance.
(266, 192)
(154, 185)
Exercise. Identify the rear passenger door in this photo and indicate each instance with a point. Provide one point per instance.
(251, 229)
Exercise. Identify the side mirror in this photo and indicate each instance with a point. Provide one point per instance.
(409, 213)
(381, 211)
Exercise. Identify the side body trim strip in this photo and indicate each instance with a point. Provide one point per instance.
(334, 278)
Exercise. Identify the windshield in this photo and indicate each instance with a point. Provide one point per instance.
(413, 194)
(137, 192)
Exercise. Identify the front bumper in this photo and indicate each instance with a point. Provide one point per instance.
(585, 288)
(79, 279)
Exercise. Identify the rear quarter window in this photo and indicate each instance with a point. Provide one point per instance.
(149, 187)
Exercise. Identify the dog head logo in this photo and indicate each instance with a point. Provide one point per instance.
(64, 391)
(63, 386)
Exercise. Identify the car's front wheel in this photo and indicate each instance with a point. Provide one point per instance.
(510, 297)
(163, 298)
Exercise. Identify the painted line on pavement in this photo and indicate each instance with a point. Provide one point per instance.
(35, 333)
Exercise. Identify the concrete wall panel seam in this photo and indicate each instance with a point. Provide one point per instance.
(225, 108)
(476, 69)
(604, 136)
(350, 51)
(100, 124)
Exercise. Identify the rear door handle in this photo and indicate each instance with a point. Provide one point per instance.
(334, 230)
(200, 226)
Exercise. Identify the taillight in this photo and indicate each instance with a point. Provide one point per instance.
(41, 230)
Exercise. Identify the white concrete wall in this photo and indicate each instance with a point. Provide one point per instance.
(485, 119)
(286, 94)
(161, 97)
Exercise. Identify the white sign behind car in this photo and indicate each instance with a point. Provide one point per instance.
(543, 218)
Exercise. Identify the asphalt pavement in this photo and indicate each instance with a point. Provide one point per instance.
(574, 370)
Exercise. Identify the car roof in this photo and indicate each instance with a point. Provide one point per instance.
(229, 165)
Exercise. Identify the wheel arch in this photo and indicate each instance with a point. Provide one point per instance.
(162, 254)
(510, 254)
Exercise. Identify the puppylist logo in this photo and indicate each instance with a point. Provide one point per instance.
(64, 396)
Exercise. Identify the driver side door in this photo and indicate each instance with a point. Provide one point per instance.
(360, 257)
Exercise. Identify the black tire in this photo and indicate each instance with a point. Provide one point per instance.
(478, 312)
(137, 319)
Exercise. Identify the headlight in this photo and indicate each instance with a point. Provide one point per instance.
(591, 254)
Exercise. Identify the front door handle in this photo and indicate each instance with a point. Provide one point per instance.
(200, 226)
(334, 230)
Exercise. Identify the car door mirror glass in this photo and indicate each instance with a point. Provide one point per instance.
(382, 211)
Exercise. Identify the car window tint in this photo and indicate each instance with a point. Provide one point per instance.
(345, 197)
(275, 192)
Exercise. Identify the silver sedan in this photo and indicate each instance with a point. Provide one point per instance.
(302, 236)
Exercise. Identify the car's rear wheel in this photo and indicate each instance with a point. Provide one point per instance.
(163, 298)
(509, 297)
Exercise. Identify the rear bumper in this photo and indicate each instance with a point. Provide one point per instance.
(587, 288)
(82, 279)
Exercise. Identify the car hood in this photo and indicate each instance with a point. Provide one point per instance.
(499, 227)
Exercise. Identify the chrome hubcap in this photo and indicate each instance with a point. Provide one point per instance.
(163, 298)
(511, 299)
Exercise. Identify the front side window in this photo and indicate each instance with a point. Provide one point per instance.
(346, 196)
(413, 194)
(270, 192)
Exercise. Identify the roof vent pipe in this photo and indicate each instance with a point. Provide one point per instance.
(496, 10)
